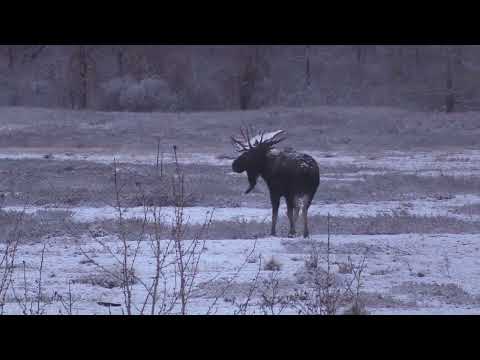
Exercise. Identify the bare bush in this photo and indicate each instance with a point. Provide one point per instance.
(449, 293)
(322, 291)
(220, 291)
(242, 307)
(67, 300)
(145, 95)
(272, 265)
(8, 252)
(108, 279)
(272, 302)
(32, 300)
(176, 259)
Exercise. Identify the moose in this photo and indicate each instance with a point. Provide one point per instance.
(287, 173)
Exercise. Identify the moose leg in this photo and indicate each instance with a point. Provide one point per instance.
(307, 200)
(296, 210)
(290, 214)
(275, 200)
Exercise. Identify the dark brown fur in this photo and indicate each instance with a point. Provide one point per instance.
(288, 174)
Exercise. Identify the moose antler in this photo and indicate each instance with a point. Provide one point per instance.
(247, 142)
(274, 138)
(243, 144)
(238, 144)
(269, 139)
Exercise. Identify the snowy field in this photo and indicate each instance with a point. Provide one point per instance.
(70, 247)
(197, 214)
(405, 273)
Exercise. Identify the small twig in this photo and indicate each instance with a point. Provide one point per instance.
(39, 295)
(242, 308)
(232, 278)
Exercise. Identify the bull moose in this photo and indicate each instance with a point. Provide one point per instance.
(287, 173)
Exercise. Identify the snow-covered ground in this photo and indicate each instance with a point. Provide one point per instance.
(198, 214)
(405, 274)
(435, 162)
(99, 156)
(401, 268)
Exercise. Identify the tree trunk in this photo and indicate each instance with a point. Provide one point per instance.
(417, 56)
(83, 72)
(248, 79)
(11, 57)
(359, 52)
(450, 98)
(307, 67)
(120, 62)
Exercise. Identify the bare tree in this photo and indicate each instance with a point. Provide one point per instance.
(253, 67)
(120, 52)
(450, 96)
(13, 54)
(81, 75)
(360, 52)
(451, 54)
(308, 80)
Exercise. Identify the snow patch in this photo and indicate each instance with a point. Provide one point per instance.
(198, 214)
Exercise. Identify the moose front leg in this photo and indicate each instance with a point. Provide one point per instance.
(275, 200)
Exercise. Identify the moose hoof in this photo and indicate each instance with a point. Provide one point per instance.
(292, 235)
(306, 235)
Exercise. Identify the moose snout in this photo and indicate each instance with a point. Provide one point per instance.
(237, 168)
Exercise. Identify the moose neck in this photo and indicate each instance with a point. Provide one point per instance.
(260, 166)
(269, 163)
(253, 172)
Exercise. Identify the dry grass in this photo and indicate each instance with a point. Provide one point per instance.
(236, 229)
(397, 186)
(272, 265)
(82, 183)
(323, 127)
(473, 209)
(371, 225)
(35, 227)
(448, 293)
(55, 223)
(109, 279)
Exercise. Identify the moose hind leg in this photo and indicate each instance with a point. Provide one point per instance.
(291, 217)
(307, 200)
(296, 210)
(275, 200)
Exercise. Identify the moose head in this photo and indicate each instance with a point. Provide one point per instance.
(254, 152)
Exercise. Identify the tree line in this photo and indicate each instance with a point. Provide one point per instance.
(239, 77)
